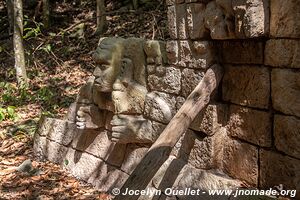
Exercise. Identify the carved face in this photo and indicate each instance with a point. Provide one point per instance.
(108, 58)
(120, 71)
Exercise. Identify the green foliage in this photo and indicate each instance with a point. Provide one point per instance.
(8, 113)
(32, 28)
(12, 97)
(47, 48)
(44, 94)
(66, 162)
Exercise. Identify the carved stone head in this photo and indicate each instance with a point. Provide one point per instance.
(120, 73)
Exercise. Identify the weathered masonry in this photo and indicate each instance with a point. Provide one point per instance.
(259, 46)
(249, 134)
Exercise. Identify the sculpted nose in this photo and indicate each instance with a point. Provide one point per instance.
(97, 72)
(118, 85)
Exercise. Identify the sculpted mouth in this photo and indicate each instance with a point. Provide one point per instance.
(102, 86)
(118, 87)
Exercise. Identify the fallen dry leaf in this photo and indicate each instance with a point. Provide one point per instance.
(7, 171)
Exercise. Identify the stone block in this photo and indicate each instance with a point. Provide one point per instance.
(133, 156)
(172, 22)
(250, 125)
(108, 177)
(98, 143)
(230, 19)
(167, 174)
(185, 52)
(287, 134)
(197, 54)
(170, 2)
(246, 85)
(210, 120)
(169, 82)
(160, 106)
(47, 149)
(181, 21)
(276, 169)
(60, 131)
(283, 19)
(172, 52)
(81, 164)
(251, 18)
(39, 144)
(199, 150)
(218, 21)
(190, 79)
(241, 161)
(206, 153)
(283, 53)
(179, 102)
(286, 91)
(242, 52)
(155, 51)
(195, 21)
(205, 181)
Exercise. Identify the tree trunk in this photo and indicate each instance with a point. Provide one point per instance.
(135, 4)
(46, 13)
(10, 15)
(162, 147)
(101, 17)
(18, 43)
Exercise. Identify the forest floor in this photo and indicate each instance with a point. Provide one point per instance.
(58, 64)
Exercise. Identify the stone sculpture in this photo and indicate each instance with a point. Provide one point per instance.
(114, 98)
(116, 117)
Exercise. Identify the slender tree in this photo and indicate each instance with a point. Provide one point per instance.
(10, 14)
(46, 13)
(18, 43)
(101, 18)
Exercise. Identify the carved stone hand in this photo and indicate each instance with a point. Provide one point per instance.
(129, 129)
(89, 117)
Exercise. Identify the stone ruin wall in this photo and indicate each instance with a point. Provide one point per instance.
(249, 131)
(258, 43)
